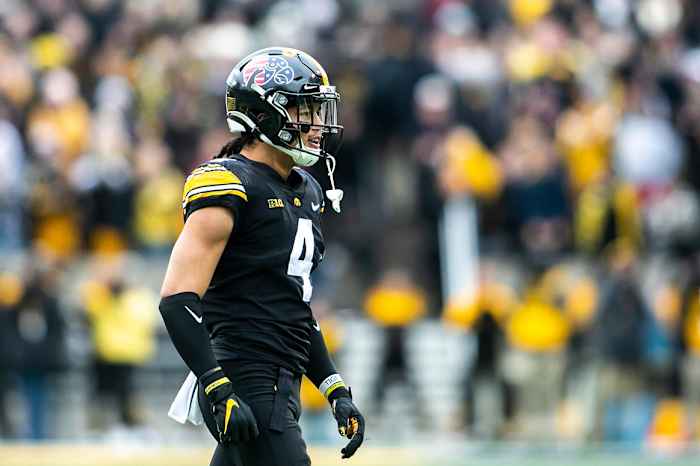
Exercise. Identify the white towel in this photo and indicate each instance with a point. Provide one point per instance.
(185, 406)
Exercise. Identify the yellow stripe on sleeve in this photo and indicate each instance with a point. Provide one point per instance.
(212, 180)
(209, 175)
(234, 192)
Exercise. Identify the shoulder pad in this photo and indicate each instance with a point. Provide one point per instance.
(212, 179)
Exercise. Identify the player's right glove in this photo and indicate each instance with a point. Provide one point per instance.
(351, 423)
(234, 419)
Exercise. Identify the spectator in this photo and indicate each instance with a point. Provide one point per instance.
(58, 125)
(484, 319)
(689, 342)
(620, 331)
(157, 208)
(395, 303)
(11, 291)
(607, 213)
(40, 331)
(121, 320)
(537, 331)
(12, 189)
(535, 195)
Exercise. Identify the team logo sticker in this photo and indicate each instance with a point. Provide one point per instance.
(264, 69)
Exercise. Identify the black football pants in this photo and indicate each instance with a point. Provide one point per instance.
(272, 393)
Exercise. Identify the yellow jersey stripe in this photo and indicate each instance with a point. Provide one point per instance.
(209, 168)
(233, 192)
(217, 187)
(209, 178)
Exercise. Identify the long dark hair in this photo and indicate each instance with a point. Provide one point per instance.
(235, 145)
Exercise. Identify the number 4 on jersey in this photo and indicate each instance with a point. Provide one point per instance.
(301, 266)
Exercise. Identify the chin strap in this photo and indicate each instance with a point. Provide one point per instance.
(334, 195)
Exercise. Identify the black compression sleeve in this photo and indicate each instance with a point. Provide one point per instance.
(321, 370)
(182, 314)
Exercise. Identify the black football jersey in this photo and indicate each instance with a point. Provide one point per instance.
(257, 305)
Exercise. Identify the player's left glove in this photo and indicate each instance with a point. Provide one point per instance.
(351, 423)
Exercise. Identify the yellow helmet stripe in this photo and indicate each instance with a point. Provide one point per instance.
(320, 70)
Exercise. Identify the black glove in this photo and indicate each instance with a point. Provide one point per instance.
(234, 419)
(351, 424)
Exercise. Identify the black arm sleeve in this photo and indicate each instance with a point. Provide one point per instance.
(182, 314)
(321, 368)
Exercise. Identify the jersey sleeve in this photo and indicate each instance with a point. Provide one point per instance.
(213, 184)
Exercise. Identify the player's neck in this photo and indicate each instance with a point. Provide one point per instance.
(275, 159)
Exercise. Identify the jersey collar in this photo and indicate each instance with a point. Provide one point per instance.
(295, 181)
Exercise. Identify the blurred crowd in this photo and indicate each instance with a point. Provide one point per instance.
(574, 126)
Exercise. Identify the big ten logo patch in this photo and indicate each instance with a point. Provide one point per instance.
(275, 203)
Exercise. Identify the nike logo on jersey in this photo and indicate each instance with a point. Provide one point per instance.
(197, 318)
(315, 207)
(316, 326)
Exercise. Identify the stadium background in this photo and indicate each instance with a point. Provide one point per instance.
(513, 280)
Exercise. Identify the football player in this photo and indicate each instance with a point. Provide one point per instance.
(235, 298)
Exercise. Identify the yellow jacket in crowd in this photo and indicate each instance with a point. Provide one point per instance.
(494, 298)
(562, 300)
(538, 326)
(122, 323)
(395, 305)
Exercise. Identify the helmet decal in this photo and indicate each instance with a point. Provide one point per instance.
(266, 68)
(281, 94)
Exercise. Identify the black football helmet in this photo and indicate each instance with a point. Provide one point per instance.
(277, 93)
